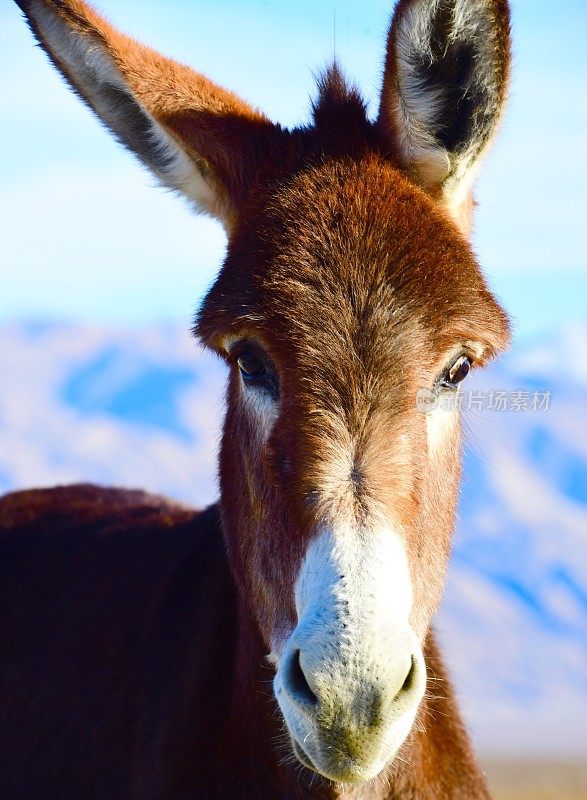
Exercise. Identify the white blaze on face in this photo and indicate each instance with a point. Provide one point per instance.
(353, 600)
(363, 571)
(356, 649)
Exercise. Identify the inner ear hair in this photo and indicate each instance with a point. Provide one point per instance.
(444, 88)
(196, 137)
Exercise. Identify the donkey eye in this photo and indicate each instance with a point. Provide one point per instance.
(458, 372)
(258, 372)
(250, 365)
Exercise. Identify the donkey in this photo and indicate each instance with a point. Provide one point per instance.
(279, 643)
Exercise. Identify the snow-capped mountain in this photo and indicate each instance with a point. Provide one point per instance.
(142, 407)
(133, 407)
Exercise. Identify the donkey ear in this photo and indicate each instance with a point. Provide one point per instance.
(444, 88)
(197, 138)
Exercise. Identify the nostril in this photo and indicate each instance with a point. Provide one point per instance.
(410, 679)
(410, 676)
(298, 683)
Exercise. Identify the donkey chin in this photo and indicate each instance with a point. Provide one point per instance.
(351, 675)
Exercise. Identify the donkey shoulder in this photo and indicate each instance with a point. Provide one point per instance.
(90, 542)
(117, 619)
(86, 504)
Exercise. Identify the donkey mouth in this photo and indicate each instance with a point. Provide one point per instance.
(341, 769)
(339, 755)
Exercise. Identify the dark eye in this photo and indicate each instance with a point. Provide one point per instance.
(458, 372)
(251, 365)
(257, 371)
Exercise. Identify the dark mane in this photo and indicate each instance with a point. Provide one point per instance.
(340, 112)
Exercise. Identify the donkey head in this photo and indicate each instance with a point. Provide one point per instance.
(347, 288)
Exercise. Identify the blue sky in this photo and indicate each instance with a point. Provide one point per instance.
(85, 236)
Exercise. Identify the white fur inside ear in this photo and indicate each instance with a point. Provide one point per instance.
(92, 69)
(421, 107)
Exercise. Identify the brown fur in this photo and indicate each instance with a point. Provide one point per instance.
(132, 668)
(347, 266)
